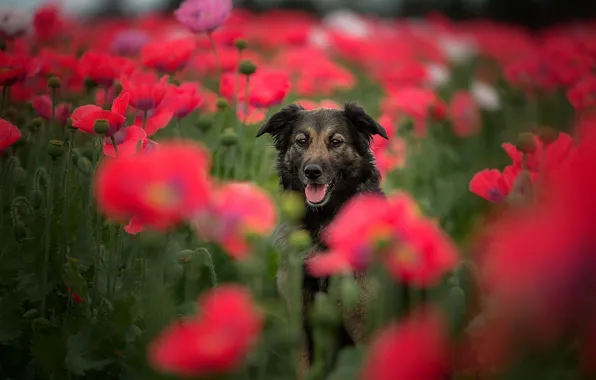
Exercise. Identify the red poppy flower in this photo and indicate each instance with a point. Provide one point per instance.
(530, 74)
(75, 297)
(391, 156)
(43, 107)
(9, 134)
(84, 117)
(323, 78)
(311, 104)
(267, 87)
(464, 114)
(493, 185)
(47, 22)
(168, 56)
(146, 90)
(582, 95)
(545, 158)
(153, 187)
(127, 140)
(104, 68)
(183, 100)
(216, 341)
(156, 120)
(419, 345)
(420, 104)
(417, 251)
(237, 210)
(15, 69)
(254, 116)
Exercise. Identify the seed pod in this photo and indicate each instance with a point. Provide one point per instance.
(292, 206)
(56, 148)
(229, 137)
(300, 240)
(548, 135)
(204, 123)
(241, 44)
(247, 67)
(54, 82)
(221, 104)
(101, 127)
(526, 143)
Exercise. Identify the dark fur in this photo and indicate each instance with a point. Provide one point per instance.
(350, 168)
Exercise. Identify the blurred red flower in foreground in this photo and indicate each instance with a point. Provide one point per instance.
(215, 341)
(414, 249)
(104, 68)
(169, 56)
(9, 134)
(203, 15)
(84, 117)
(43, 107)
(415, 349)
(15, 69)
(238, 209)
(183, 99)
(146, 90)
(153, 187)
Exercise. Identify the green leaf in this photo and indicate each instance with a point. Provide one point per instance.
(348, 364)
(80, 353)
(48, 351)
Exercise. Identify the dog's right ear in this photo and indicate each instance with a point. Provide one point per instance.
(280, 123)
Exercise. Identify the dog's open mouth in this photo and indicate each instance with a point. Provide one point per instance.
(316, 194)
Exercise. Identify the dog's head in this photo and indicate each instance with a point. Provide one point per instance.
(324, 153)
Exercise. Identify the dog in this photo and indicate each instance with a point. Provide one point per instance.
(324, 154)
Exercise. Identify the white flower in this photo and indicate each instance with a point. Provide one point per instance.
(347, 22)
(457, 49)
(438, 75)
(486, 95)
(15, 22)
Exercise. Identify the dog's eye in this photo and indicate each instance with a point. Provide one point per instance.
(336, 142)
(301, 142)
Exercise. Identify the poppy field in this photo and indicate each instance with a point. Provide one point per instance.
(138, 209)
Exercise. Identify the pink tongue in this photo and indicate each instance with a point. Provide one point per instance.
(315, 193)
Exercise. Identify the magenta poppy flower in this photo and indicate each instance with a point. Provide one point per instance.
(84, 117)
(43, 106)
(201, 16)
(147, 91)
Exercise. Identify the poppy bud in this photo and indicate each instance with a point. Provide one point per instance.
(525, 143)
(204, 124)
(35, 124)
(241, 44)
(54, 83)
(548, 135)
(31, 313)
(300, 240)
(101, 127)
(349, 291)
(20, 232)
(324, 313)
(185, 255)
(40, 324)
(247, 67)
(117, 88)
(90, 84)
(56, 148)
(229, 137)
(84, 165)
(10, 113)
(221, 104)
(19, 176)
(292, 206)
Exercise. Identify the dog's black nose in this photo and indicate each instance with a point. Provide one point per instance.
(313, 171)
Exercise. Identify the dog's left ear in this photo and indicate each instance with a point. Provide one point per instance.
(280, 123)
(362, 121)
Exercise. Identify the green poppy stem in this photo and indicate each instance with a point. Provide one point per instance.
(217, 59)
